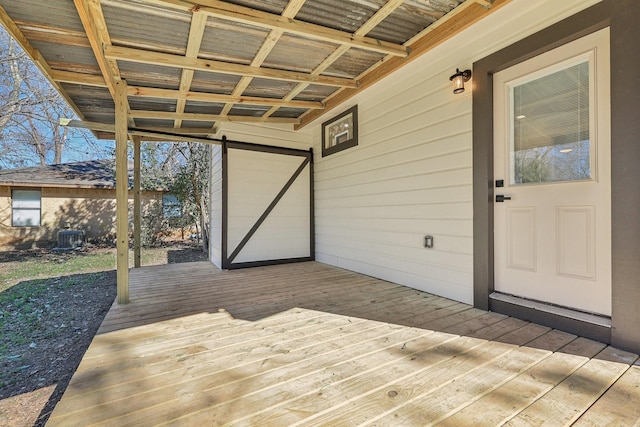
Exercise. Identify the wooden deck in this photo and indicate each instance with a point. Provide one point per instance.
(309, 344)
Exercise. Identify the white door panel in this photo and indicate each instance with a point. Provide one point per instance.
(521, 248)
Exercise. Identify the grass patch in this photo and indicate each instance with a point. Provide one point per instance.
(55, 265)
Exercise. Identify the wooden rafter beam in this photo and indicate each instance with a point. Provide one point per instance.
(258, 18)
(15, 32)
(171, 137)
(197, 64)
(98, 81)
(196, 32)
(182, 131)
(150, 138)
(164, 115)
(212, 97)
(95, 26)
(442, 30)
(293, 7)
(78, 78)
(46, 33)
(157, 133)
(380, 15)
(105, 127)
(377, 17)
(485, 3)
(56, 35)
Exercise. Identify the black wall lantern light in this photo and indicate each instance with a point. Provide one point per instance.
(458, 80)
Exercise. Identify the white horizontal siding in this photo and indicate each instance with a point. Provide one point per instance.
(278, 135)
(411, 174)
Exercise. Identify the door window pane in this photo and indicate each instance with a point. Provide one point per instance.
(550, 127)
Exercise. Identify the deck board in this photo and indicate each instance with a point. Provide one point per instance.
(309, 344)
(620, 404)
(504, 402)
(440, 367)
(439, 402)
(566, 402)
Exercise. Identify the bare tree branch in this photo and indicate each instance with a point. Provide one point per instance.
(30, 109)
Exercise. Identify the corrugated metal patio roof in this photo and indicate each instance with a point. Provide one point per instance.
(190, 64)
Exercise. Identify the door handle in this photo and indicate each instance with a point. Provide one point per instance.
(500, 198)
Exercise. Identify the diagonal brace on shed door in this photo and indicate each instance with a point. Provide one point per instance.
(267, 211)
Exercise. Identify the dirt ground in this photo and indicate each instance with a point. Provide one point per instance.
(47, 325)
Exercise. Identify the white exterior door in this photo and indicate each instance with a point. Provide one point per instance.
(552, 164)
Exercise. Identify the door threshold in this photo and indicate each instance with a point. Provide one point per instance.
(576, 322)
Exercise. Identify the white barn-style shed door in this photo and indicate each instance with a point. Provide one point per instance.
(552, 165)
(267, 208)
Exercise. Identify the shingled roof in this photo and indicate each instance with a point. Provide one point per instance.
(87, 174)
